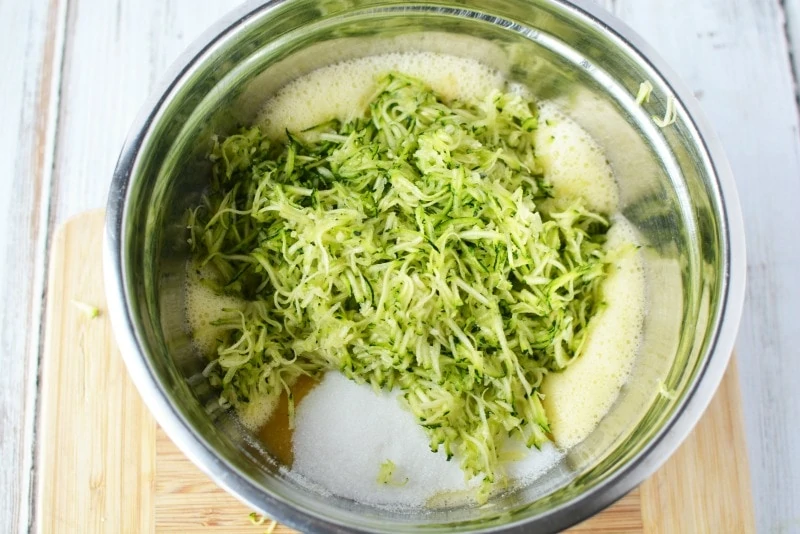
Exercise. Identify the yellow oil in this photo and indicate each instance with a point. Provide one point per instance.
(275, 434)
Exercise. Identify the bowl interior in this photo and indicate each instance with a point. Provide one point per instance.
(668, 190)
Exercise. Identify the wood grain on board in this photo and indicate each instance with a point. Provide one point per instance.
(187, 501)
(105, 467)
(96, 437)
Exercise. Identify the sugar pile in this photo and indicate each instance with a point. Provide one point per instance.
(345, 431)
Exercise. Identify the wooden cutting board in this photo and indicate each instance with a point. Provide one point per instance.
(103, 465)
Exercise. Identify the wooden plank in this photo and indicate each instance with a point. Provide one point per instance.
(115, 53)
(30, 59)
(66, 136)
(97, 439)
(734, 56)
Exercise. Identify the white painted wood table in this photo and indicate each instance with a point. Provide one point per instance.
(75, 72)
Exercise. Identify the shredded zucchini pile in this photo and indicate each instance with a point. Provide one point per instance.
(405, 249)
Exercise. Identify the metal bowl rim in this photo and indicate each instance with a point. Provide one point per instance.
(604, 493)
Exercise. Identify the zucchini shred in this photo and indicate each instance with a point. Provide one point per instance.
(416, 247)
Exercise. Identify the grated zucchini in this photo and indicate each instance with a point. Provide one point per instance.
(386, 474)
(670, 114)
(406, 249)
(645, 90)
(88, 310)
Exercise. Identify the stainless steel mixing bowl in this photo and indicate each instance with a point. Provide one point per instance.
(675, 187)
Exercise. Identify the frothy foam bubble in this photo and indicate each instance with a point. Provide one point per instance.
(573, 162)
(343, 90)
(203, 307)
(578, 398)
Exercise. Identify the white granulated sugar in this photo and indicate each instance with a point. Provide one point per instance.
(345, 431)
(532, 463)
